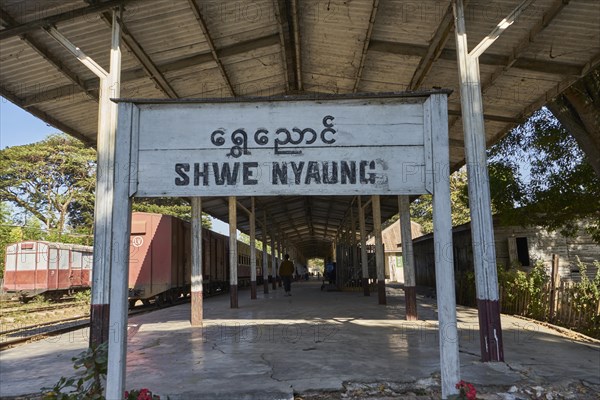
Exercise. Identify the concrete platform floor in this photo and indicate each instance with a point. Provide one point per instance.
(276, 346)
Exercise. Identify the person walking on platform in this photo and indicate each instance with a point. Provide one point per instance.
(286, 270)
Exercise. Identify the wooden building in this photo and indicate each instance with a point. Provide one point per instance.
(515, 246)
(392, 245)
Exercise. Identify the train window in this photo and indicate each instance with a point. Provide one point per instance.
(53, 262)
(88, 259)
(76, 261)
(11, 262)
(63, 259)
(27, 246)
(26, 262)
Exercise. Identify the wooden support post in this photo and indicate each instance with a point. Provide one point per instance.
(442, 234)
(353, 247)
(408, 261)
(233, 254)
(280, 260)
(265, 260)
(197, 282)
(484, 251)
(554, 279)
(252, 251)
(273, 264)
(120, 226)
(364, 260)
(379, 254)
(103, 240)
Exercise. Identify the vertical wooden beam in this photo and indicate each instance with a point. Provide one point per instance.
(280, 260)
(554, 279)
(364, 260)
(265, 260)
(442, 233)
(353, 258)
(197, 280)
(379, 254)
(120, 227)
(410, 289)
(273, 262)
(103, 207)
(233, 254)
(484, 251)
(252, 251)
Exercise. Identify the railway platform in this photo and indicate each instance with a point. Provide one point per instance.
(313, 341)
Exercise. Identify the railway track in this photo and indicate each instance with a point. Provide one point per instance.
(16, 336)
(28, 309)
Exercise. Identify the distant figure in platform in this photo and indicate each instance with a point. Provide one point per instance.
(286, 270)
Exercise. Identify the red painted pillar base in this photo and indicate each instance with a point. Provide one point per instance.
(274, 283)
(381, 291)
(99, 322)
(490, 330)
(252, 290)
(365, 285)
(197, 312)
(233, 295)
(266, 286)
(410, 299)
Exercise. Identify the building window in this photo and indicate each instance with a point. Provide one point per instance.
(523, 251)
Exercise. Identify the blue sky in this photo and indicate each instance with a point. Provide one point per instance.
(18, 127)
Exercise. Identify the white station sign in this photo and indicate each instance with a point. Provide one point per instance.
(300, 147)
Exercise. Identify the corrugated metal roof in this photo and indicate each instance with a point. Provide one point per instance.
(266, 48)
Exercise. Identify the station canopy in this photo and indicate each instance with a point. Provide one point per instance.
(240, 48)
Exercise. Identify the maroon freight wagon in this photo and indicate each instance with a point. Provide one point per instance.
(52, 269)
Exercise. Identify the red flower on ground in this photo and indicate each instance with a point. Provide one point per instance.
(467, 390)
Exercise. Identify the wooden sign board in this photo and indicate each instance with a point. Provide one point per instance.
(300, 147)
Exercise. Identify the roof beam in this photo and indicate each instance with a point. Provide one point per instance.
(48, 56)
(294, 29)
(54, 19)
(287, 52)
(415, 50)
(45, 117)
(520, 48)
(92, 84)
(436, 45)
(211, 45)
(365, 49)
(143, 58)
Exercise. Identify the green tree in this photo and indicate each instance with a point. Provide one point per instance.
(421, 209)
(545, 178)
(53, 180)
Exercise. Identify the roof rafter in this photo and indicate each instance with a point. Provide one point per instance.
(436, 45)
(287, 52)
(211, 45)
(94, 8)
(48, 56)
(365, 50)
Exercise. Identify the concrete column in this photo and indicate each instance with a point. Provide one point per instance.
(103, 210)
(408, 261)
(265, 260)
(252, 252)
(364, 261)
(482, 229)
(197, 282)
(233, 254)
(379, 253)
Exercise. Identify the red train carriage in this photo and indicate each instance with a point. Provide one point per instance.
(159, 264)
(52, 269)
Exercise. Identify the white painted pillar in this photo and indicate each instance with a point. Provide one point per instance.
(442, 234)
(273, 262)
(265, 260)
(103, 240)
(252, 251)
(233, 254)
(408, 259)
(482, 229)
(364, 260)
(197, 281)
(120, 226)
(280, 258)
(379, 253)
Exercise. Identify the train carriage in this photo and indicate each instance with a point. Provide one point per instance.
(159, 263)
(53, 269)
